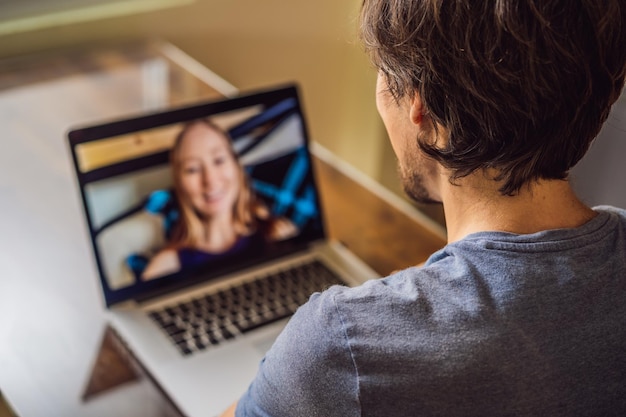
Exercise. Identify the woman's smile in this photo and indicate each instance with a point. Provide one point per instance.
(210, 177)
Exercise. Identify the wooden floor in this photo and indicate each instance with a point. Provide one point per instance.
(5, 409)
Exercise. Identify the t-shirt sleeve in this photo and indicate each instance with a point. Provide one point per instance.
(309, 371)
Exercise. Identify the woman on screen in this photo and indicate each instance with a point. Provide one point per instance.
(219, 213)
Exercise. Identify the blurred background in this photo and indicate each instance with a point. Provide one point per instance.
(255, 44)
(250, 43)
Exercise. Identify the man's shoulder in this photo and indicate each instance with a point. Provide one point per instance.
(614, 212)
(442, 291)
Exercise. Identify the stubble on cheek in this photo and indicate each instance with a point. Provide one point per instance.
(415, 179)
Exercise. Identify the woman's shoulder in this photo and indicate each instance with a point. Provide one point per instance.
(278, 228)
(164, 262)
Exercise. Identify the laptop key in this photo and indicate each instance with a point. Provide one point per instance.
(214, 318)
(255, 324)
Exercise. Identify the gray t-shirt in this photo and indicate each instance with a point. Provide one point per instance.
(496, 324)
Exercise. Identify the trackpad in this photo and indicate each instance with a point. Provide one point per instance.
(263, 342)
(264, 345)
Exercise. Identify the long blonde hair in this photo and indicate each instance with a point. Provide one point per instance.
(188, 230)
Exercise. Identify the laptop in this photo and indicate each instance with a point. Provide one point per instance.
(200, 315)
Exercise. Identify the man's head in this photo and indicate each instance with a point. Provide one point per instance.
(520, 87)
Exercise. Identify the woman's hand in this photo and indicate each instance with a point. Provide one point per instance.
(281, 228)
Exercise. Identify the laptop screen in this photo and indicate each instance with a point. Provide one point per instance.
(186, 195)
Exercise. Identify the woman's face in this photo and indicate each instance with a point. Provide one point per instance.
(209, 175)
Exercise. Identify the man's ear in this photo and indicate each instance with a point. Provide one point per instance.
(416, 111)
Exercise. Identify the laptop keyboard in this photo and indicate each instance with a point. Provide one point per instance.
(207, 321)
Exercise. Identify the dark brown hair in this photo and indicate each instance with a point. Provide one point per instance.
(522, 86)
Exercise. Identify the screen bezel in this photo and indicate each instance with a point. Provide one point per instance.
(145, 290)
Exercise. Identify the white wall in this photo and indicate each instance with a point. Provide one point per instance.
(600, 177)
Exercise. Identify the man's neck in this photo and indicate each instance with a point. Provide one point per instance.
(475, 205)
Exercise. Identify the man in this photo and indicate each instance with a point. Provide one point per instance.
(488, 104)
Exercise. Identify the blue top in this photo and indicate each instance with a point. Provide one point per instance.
(189, 257)
(495, 324)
